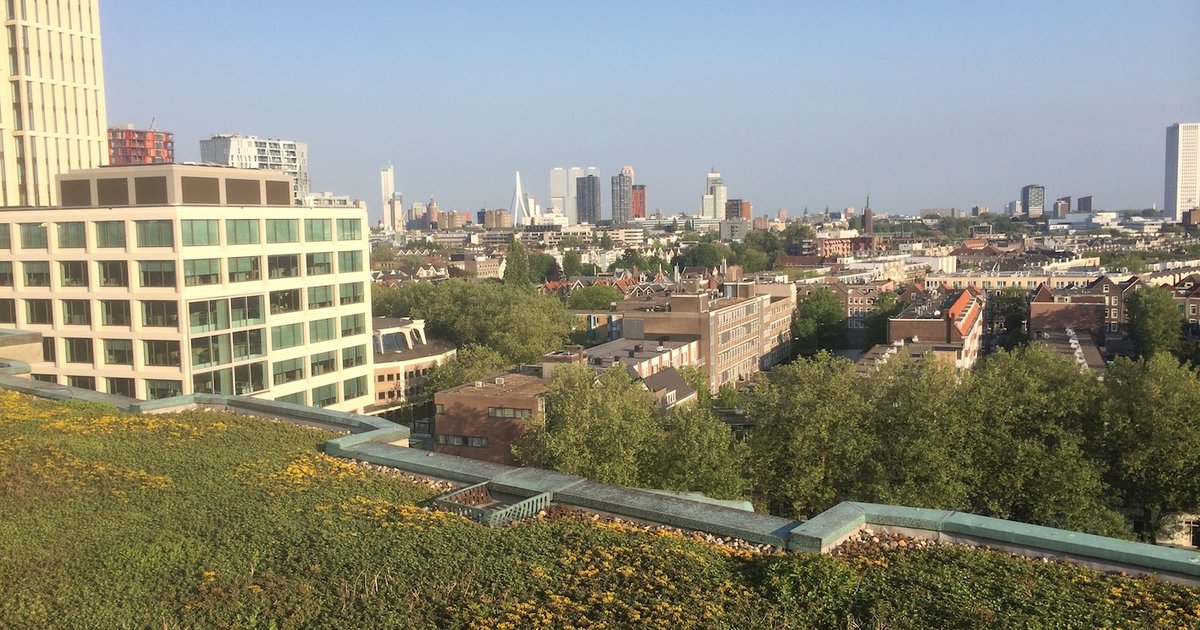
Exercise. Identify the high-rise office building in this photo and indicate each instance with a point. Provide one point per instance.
(588, 199)
(1062, 207)
(52, 120)
(1084, 204)
(712, 202)
(622, 196)
(240, 151)
(638, 206)
(393, 202)
(563, 190)
(153, 281)
(1182, 191)
(128, 146)
(1033, 200)
(737, 209)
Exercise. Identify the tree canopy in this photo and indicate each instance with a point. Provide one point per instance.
(1155, 324)
(516, 266)
(819, 323)
(596, 296)
(543, 267)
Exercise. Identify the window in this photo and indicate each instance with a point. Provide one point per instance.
(8, 311)
(285, 301)
(299, 398)
(82, 382)
(162, 388)
(33, 236)
(354, 387)
(354, 356)
(251, 378)
(73, 273)
(201, 272)
(323, 363)
(71, 235)
(161, 352)
(208, 315)
(321, 330)
(283, 266)
(287, 371)
(287, 336)
(247, 311)
(114, 273)
(38, 312)
(160, 313)
(154, 234)
(37, 273)
(353, 324)
(114, 313)
(157, 273)
(118, 352)
(48, 349)
(478, 442)
(199, 232)
(242, 232)
(349, 229)
(248, 344)
(349, 261)
(439, 409)
(77, 312)
(110, 234)
(6, 273)
(320, 297)
(121, 387)
(351, 292)
(5, 236)
(244, 268)
(317, 230)
(215, 382)
(283, 230)
(320, 263)
(209, 351)
(78, 349)
(325, 395)
(506, 412)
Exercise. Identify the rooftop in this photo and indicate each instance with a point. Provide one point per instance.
(510, 384)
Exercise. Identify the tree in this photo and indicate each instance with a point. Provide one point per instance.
(887, 305)
(472, 362)
(516, 269)
(543, 267)
(808, 444)
(606, 242)
(819, 323)
(1010, 306)
(599, 425)
(697, 380)
(594, 297)
(698, 454)
(1151, 437)
(707, 255)
(1154, 322)
(382, 252)
(571, 264)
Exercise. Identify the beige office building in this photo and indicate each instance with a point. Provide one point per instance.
(156, 280)
(52, 118)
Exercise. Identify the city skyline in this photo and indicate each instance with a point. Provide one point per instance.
(814, 106)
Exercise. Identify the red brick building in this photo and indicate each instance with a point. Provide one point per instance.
(482, 420)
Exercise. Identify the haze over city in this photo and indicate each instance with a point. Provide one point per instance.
(939, 105)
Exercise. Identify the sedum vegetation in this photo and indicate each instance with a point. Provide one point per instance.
(213, 520)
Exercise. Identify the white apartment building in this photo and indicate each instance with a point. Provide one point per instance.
(1183, 169)
(156, 280)
(52, 117)
(240, 151)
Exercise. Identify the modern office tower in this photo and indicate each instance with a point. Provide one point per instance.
(588, 201)
(1062, 207)
(638, 203)
(1084, 204)
(157, 280)
(737, 209)
(393, 202)
(1183, 169)
(622, 196)
(1033, 200)
(128, 146)
(262, 153)
(52, 117)
(563, 192)
(558, 189)
(416, 215)
(712, 203)
(1013, 208)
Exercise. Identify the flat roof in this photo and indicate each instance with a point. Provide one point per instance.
(619, 349)
(514, 385)
(433, 348)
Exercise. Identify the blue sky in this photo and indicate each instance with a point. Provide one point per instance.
(933, 104)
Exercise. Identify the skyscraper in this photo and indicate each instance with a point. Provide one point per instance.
(1062, 207)
(1183, 169)
(393, 202)
(1033, 200)
(1084, 204)
(240, 151)
(737, 209)
(712, 203)
(588, 199)
(563, 190)
(622, 196)
(128, 146)
(53, 117)
(638, 206)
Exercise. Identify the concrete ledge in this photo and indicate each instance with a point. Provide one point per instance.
(900, 516)
(828, 529)
(13, 367)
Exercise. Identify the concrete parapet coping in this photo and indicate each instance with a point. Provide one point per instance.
(828, 529)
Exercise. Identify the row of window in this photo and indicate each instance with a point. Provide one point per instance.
(506, 412)
(155, 388)
(192, 232)
(327, 395)
(155, 352)
(462, 440)
(203, 316)
(161, 273)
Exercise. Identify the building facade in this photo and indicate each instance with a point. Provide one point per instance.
(588, 199)
(1182, 191)
(403, 359)
(53, 115)
(127, 146)
(240, 151)
(638, 204)
(712, 202)
(622, 197)
(1033, 200)
(155, 281)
